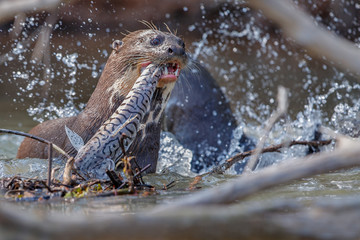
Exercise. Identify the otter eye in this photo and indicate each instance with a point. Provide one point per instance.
(155, 41)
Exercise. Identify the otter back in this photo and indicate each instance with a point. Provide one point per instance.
(116, 135)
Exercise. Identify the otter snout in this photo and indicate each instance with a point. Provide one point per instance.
(176, 50)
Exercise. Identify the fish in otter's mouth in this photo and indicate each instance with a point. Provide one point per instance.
(116, 135)
(169, 72)
(104, 149)
(126, 64)
(152, 61)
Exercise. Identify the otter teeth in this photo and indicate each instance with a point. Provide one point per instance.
(171, 69)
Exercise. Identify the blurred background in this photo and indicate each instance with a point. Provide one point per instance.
(51, 57)
(52, 52)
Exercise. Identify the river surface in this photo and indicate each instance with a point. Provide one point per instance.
(248, 59)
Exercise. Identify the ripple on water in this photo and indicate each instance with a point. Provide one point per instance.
(9, 145)
(29, 167)
(248, 61)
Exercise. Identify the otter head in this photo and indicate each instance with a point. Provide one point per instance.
(140, 48)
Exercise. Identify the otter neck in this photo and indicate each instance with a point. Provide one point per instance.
(106, 98)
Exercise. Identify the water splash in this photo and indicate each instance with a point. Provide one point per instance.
(250, 59)
(173, 157)
(29, 167)
(248, 56)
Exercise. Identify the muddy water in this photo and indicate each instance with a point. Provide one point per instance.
(249, 62)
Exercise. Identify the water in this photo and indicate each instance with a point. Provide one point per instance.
(242, 50)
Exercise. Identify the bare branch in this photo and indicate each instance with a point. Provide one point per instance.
(19, 21)
(281, 110)
(50, 153)
(42, 46)
(57, 148)
(68, 171)
(316, 39)
(220, 169)
(342, 158)
(10, 8)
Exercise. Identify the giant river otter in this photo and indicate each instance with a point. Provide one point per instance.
(190, 116)
(122, 69)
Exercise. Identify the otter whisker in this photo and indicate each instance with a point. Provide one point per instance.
(186, 82)
(193, 69)
(169, 30)
(154, 26)
(195, 66)
(124, 34)
(150, 25)
(181, 85)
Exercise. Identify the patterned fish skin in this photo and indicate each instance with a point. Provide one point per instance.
(104, 148)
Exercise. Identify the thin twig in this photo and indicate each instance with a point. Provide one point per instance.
(169, 185)
(19, 21)
(57, 148)
(42, 46)
(220, 169)
(53, 173)
(341, 158)
(47, 186)
(68, 171)
(26, 42)
(114, 178)
(141, 171)
(280, 112)
(50, 148)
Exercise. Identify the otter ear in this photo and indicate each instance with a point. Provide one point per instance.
(116, 45)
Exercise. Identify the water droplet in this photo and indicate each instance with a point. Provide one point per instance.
(58, 56)
(94, 74)
(191, 28)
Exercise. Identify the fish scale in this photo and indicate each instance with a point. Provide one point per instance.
(103, 149)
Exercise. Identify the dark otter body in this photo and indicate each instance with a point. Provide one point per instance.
(199, 115)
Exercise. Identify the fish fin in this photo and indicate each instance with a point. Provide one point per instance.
(76, 141)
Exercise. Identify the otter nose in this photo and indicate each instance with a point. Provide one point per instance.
(176, 50)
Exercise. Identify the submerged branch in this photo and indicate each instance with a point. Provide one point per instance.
(50, 153)
(220, 169)
(245, 185)
(177, 221)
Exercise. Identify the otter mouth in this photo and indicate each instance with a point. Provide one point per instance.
(169, 72)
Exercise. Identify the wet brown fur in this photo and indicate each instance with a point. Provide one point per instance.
(118, 77)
